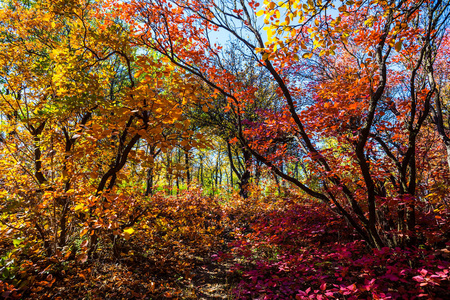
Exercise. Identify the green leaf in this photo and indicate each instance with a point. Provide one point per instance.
(16, 242)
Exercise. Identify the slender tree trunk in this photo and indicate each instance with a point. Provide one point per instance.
(177, 175)
(168, 173)
(231, 175)
(246, 175)
(216, 174)
(201, 172)
(149, 182)
(187, 168)
(447, 148)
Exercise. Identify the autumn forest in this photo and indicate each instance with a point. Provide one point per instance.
(245, 149)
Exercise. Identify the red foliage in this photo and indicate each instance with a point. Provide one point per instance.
(303, 251)
(8, 291)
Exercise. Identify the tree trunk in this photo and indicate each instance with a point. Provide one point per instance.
(187, 168)
(150, 179)
(168, 174)
(244, 180)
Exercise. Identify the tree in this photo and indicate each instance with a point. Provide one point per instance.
(351, 101)
(218, 116)
(78, 106)
(439, 78)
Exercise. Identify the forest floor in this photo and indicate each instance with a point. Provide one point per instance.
(195, 247)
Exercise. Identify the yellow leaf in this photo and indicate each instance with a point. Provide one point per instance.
(307, 55)
(369, 22)
(260, 13)
(127, 233)
(129, 230)
(270, 33)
